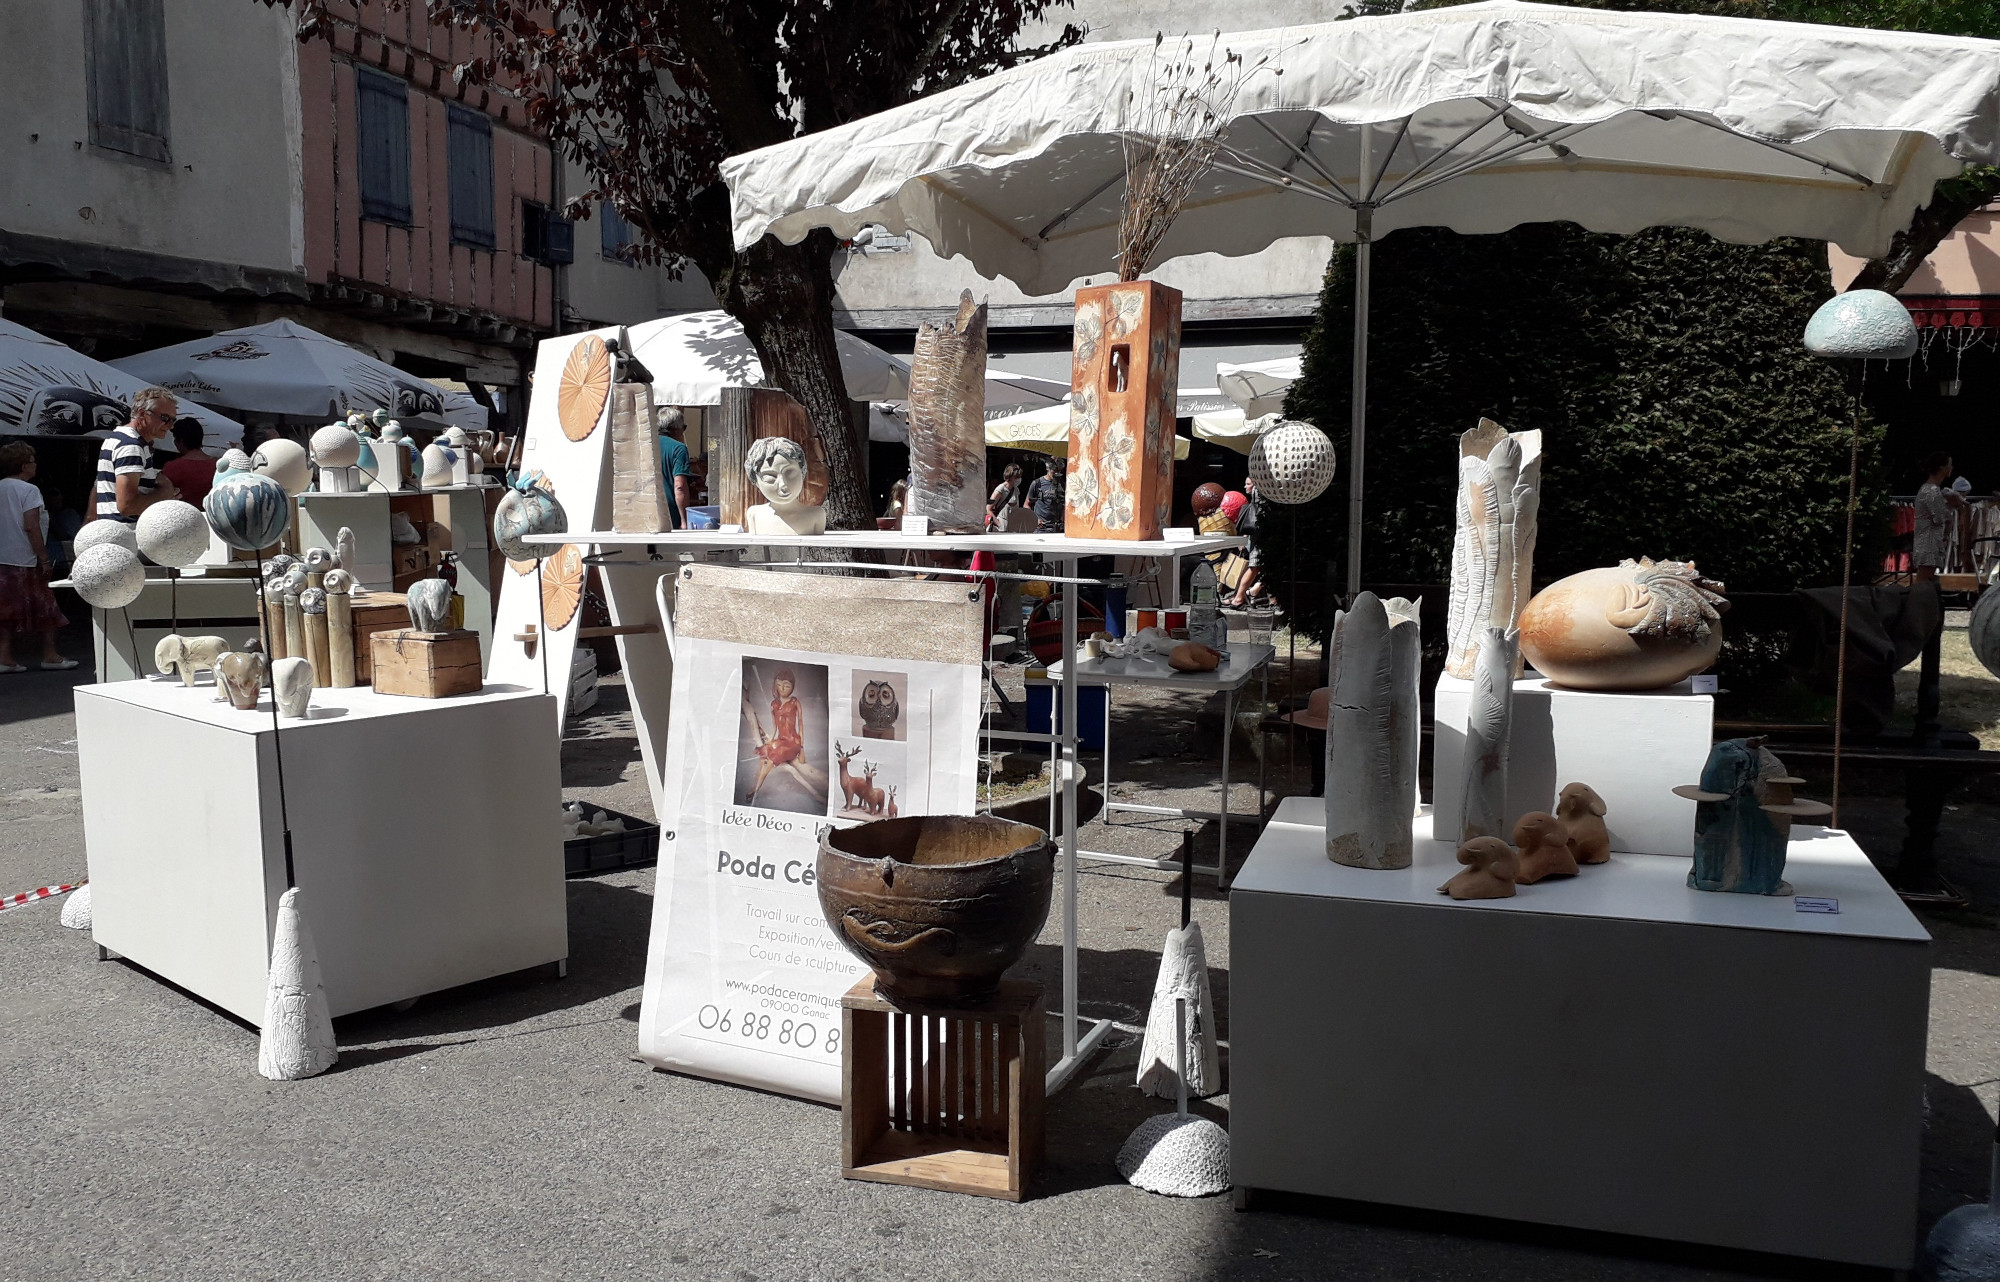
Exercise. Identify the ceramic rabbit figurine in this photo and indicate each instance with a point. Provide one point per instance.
(1542, 849)
(1581, 813)
(1489, 871)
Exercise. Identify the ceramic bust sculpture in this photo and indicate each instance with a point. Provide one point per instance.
(1541, 849)
(1581, 812)
(1743, 820)
(1489, 871)
(1638, 625)
(777, 467)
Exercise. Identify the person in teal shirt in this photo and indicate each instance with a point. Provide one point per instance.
(674, 468)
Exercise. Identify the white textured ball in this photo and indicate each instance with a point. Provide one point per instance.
(336, 445)
(76, 912)
(108, 576)
(1178, 1156)
(1292, 462)
(232, 460)
(116, 533)
(284, 462)
(173, 533)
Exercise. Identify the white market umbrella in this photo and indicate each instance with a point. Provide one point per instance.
(694, 355)
(1229, 429)
(1259, 388)
(281, 367)
(1045, 431)
(1477, 118)
(50, 389)
(1005, 391)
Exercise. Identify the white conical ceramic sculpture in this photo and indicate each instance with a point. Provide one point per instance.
(1493, 554)
(1482, 782)
(297, 1039)
(1183, 975)
(1373, 733)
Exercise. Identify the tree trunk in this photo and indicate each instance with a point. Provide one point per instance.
(1950, 203)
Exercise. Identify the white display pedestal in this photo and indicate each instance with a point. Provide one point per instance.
(1614, 1051)
(1631, 747)
(452, 872)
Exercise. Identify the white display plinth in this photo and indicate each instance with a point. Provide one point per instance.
(450, 873)
(1631, 747)
(1613, 1052)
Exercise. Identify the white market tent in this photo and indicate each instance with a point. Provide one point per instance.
(50, 389)
(1477, 118)
(1045, 431)
(281, 367)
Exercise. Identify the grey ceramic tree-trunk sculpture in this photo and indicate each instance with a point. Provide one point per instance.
(1483, 780)
(948, 421)
(1373, 726)
(1493, 553)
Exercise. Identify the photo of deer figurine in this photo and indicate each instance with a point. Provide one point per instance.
(852, 787)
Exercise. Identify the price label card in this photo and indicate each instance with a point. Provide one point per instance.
(1809, 904)
(1704, 683)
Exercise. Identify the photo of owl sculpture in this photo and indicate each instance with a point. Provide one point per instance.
(879, 709)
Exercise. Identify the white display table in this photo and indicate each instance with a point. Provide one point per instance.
(1631, 746)
(426, 837)
(1612, 1052)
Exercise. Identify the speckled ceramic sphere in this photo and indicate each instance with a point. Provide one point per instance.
(232, 460)
(116, 533)
(1292, 463)
(1862, 324)
(173, 533)
(521, 513)
(336, 445)
(108, 575)
(284, 462)
(247, 510)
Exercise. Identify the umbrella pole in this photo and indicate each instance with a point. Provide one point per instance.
(1846, 587)
(1358, 432)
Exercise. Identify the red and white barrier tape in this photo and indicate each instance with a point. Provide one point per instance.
(38, 894)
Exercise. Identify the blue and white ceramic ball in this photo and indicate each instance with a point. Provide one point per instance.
(1862, 324)
(524, 511)
(247, 510)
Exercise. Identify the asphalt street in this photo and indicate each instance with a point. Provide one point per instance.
(505, 1130)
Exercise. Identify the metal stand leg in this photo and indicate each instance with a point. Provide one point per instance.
(1075, 1048)
(1222, 825)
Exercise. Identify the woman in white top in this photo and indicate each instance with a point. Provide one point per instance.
(1931, 542)
(26, 604)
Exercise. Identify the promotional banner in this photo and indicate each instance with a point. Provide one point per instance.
(800, 703)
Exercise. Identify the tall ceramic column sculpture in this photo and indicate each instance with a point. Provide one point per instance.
(1493, 555)
(1372, 733)
(274, 617)
(340, 628)
(948, 421)
(1483, 779)
(293, 584)
(1125, 372)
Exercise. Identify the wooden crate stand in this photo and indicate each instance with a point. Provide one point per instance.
(941, 1097)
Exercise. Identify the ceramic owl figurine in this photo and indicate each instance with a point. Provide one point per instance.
(430, 605)
(879, 709)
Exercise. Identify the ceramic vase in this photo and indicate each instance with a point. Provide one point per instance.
(1373, 733)
(1124, 376)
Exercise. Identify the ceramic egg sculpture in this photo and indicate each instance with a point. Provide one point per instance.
(336, 445)
(1291, 462)
(528, 508)
(172, 533)
(1638, 625)
(284, 462)
(118, 533)
(248, 510)
(107, 576)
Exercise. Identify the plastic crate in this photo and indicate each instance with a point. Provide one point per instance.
(637, 847)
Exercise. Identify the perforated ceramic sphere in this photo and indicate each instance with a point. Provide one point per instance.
(117, 533)
(247, 510)
(1862, 324)
(1292, 463)
(336, 445)
(108, 575)
(284, 462)
(173, 533)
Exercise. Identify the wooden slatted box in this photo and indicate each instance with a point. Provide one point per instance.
(942, 1097)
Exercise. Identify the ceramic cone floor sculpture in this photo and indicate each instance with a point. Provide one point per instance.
(76, 909)
(297, 1041)
(1184, 975)
(1178, 1155)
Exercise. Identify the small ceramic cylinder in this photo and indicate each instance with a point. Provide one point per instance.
(340, 639)
(273, 619)
(295, 627)
(317, 645)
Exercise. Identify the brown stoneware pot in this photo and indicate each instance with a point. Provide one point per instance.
(938, 905)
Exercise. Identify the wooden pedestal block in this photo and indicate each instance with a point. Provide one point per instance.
(430, 665)
(941, 1097)
(373, 613)
(1124, 376)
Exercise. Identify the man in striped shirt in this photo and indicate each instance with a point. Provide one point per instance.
(127, 481)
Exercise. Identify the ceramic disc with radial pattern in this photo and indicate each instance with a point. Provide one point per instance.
(562, 586)
(586, 381)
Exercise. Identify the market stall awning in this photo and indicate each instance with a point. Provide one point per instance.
(1045, 431)
(1259, 388)
(694, 355)
(1229, 429)
(283, 368)
(50, 389)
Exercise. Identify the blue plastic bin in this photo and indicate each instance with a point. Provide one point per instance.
(1091, 700)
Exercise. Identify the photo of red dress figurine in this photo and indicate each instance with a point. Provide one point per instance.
(781, 747)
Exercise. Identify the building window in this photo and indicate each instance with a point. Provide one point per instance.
(125, 65)
(545, 237)
(471, 159)
(382, 129)
(618, 240)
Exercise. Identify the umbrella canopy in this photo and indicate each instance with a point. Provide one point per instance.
(694, 355)
(1005, 391)
(1259, 388)
(1229, 429)
(281, 367)
(1477, 118)
(49, 389)
(1045, 431)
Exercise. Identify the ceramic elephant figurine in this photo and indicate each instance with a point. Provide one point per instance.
(429, 603)
(241, 675)
(188, 654)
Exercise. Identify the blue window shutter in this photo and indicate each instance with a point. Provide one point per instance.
(616, 236)
(470, 153)
(125, 68)
(382, 129)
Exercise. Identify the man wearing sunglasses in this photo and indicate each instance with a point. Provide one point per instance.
(127, 481)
